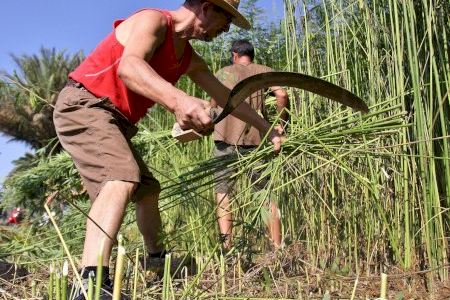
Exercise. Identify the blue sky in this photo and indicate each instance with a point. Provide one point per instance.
(71, 25)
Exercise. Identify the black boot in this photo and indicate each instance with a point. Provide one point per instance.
(106, 290)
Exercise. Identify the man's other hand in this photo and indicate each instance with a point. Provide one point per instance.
(277, 138)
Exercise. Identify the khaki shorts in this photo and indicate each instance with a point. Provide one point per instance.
(223, 183)
(97, 137)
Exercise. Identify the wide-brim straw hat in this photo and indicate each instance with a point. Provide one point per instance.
(231, 6)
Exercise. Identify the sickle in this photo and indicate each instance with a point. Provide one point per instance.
(296, 80)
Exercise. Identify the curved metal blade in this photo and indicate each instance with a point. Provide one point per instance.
(308, 83)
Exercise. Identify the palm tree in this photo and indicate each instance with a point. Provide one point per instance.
(27, 95)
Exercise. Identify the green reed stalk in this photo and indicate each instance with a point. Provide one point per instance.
(58, 286)
(118, 273)
(51, 282)
(91, 288)
(167, 278)
(64, 280)
(99, 274)
(135, 273)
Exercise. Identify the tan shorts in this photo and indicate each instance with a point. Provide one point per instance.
(97, 136)
(223, 183)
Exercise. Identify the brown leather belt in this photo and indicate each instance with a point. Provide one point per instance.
(72, 83)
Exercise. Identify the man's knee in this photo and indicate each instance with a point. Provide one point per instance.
(116, 187)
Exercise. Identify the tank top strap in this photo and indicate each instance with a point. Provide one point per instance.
(164, 12)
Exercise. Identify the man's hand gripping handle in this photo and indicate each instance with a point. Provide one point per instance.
(188, 135)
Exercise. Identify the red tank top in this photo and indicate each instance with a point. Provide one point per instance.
(98, 72)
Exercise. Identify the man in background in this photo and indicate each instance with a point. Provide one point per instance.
(231, 135)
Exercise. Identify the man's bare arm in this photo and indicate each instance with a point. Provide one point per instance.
(282, 101)
(141, 35)
(202, 76)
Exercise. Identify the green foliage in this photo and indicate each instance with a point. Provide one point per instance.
(29, 187)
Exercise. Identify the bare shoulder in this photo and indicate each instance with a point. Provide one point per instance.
(146, 21)
(150, 16)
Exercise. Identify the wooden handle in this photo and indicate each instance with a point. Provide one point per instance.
(188, 135)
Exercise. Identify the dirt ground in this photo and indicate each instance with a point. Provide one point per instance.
(271, 276)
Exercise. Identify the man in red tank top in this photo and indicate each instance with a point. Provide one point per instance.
(130, 70)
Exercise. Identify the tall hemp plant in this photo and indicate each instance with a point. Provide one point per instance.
(392, 54)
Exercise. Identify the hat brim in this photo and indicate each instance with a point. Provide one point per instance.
(238, 19)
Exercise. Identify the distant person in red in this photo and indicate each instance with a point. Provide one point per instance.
(15, 216)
